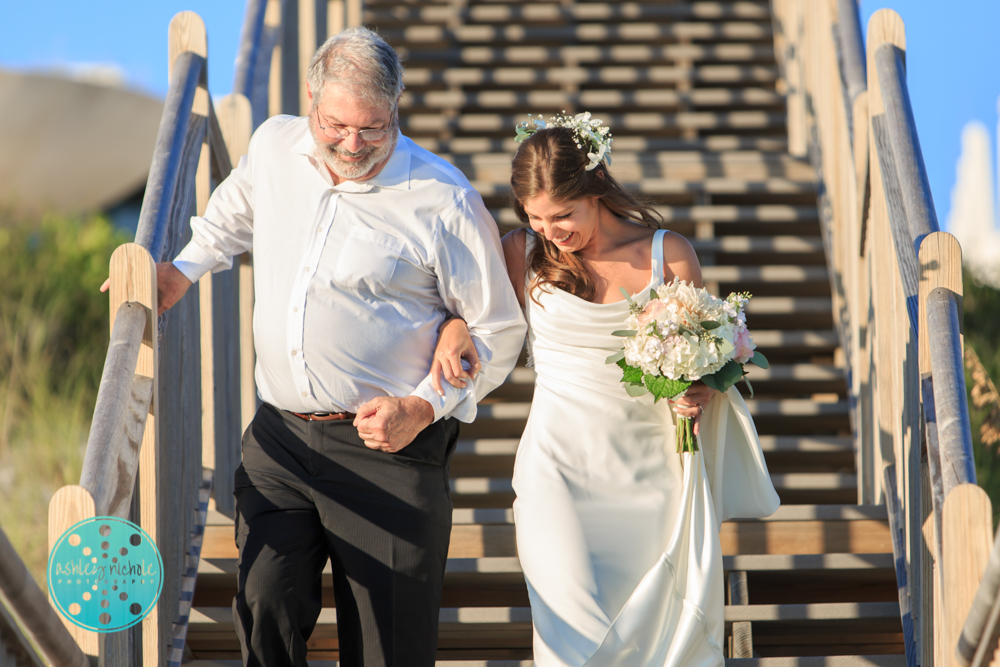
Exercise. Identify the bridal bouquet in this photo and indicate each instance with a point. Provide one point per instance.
(683, 334)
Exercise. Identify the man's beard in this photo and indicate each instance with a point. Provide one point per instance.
(371, 155)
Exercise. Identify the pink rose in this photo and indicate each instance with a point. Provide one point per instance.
(653, 309)
(744, 346)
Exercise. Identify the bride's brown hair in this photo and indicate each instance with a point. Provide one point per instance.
(549, 161)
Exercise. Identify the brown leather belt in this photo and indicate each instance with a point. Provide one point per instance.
(325, 416)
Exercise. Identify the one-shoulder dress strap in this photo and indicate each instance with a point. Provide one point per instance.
(657, 255)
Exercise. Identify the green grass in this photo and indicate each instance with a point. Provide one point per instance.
(53, 340)
(982, 333)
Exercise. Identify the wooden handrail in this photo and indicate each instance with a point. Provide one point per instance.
(174, 153)
(852, 48)
(112, 457)
(981, 632)
(909, 160)
(950, 403)
(887, 256)
(34, 611)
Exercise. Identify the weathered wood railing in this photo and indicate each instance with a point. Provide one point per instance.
(177, 389)
(897, 288)
(20, 596)
(168, 413)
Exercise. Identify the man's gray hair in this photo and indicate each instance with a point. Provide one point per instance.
(360, 60)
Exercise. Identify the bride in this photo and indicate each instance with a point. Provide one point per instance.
(617, 534)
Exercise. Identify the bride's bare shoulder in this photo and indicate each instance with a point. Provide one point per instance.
(680, 259)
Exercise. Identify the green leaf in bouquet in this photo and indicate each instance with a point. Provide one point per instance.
(636, 390)
(616, 357)
(630, 374)
(725, 377)
(708, 325)
(624, 333)
(749, 386)
(664, 387)
(628, 297)
(759, 359)
(684, 331)
(653, 295)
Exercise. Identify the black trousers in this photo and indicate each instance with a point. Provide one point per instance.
(312, 490)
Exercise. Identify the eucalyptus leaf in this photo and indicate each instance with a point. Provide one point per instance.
(749, 386)
(624, 333)
(636, 390)
(759, 359)
(725, 346)
(684, 331)
(653, 294)
(708, 325)
(616, 357)
(628, 297)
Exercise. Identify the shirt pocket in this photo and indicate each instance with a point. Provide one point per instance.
(367, 257)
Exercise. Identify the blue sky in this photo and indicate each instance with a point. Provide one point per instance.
(953, 56)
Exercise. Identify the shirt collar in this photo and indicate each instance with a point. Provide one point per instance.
(395, 175)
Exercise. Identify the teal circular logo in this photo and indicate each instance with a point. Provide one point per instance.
(105, 574)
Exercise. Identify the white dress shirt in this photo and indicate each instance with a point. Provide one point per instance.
(352, 280)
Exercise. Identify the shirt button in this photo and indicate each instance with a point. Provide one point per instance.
(295, 309)
(307, 269)
(295, 353)
(305, 393)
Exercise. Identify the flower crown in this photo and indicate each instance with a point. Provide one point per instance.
(586, 130)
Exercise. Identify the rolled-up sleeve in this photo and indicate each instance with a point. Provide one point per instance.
(226, 229)
(473, 283)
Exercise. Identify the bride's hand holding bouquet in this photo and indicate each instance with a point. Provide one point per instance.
(682, 335)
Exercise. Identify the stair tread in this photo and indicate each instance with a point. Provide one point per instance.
(793, 480)
(586, 53)
(586, 33)
(807, 661)
(622, 143)
(769, 443)
(742, 563)
(591, 11)
(763, 613)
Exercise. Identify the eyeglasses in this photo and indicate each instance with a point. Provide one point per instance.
(339, 132)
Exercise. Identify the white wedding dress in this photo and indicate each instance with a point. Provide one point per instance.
(618, 535)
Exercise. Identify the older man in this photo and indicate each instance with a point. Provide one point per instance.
(363, 243)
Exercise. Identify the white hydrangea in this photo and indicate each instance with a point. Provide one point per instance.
(671, 339)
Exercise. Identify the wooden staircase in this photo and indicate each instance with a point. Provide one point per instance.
(692, 94)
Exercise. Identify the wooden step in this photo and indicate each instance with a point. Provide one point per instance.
(510, 627)
(806, 661)
(587, 33)
(631, 54)
(548, 102)
(756, 250)
(654, 187)
(778, 417)
(793, 529)
(556, 13)
(487, 448)
(758, 222)
(507, 145)
(793, 488)
(785, 380)
(645, 124)
(416, 78)
(683, 165)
